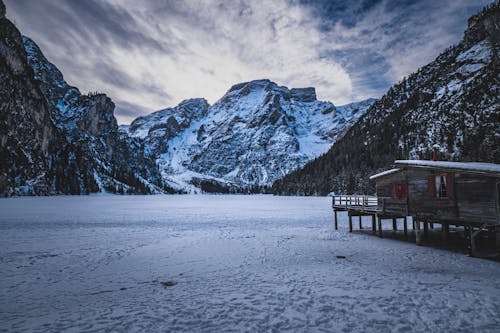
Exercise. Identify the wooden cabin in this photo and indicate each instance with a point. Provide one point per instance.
(464, 194)
(460, 193)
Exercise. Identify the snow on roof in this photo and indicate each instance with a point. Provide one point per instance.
(468, 166)
(384, 173)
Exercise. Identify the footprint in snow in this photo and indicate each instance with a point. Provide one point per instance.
(168, 283)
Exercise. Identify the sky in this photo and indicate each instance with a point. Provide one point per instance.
(152, 54)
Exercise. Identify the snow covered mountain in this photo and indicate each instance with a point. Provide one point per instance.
(55, 140)
(255, 134)
(452, 102)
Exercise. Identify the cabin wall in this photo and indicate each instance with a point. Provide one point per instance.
(472, 198)
(390, 202)
(477, 198)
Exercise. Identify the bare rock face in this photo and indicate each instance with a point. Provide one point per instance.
(55, 140)
(26, 131)
(304, 94)
(2, 9)
(257, 132)
(484, 25)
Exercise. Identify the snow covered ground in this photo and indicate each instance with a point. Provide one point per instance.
(240, 263)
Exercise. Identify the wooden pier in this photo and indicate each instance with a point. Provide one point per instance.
(362, 205)
(465, 195)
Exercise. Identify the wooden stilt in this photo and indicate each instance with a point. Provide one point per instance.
(469, 240)
(374, 225)
(431, 225)
(418, 235)
(379, 226)
(445, 227)
(350, 222)
(413, 223)
(497, 237)
(335, 219)
(405, 227)
(394, 225)
(492, 236)
(426, 231)
(360, 223)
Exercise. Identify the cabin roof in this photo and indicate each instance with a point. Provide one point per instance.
(385, 173)
(475, 167)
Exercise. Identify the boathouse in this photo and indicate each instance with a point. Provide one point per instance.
(465, 194)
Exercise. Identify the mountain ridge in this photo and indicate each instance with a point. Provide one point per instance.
(452, 102)
(254, 134)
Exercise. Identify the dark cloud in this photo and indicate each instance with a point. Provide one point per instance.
(151, 54)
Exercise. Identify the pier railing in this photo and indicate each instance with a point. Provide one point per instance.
(363, 202)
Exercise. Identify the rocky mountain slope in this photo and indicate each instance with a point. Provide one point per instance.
(255, 134)
(452, 102)
(55, 140)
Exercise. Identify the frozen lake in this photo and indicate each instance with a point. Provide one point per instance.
(239, 263)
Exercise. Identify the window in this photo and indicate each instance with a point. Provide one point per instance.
(441, 188)
(400, 190)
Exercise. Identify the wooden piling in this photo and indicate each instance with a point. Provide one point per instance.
(445, 228)
(405, 227)
(418, 235)
(360, 223)
(426, 231)
(379, 226)
(335, 219)
(470, 242)
(394, 225)
(497, 237)
(374, 225)
(350, 222)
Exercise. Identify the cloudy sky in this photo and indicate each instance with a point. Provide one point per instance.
(148, 55)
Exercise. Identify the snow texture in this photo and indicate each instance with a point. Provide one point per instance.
(239, 263)
(384, 173)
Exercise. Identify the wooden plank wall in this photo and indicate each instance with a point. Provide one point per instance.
(421, 204)
(476, 198)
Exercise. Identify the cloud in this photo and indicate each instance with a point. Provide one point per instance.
(148, 55)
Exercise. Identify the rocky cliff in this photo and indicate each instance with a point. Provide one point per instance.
(55, 140)
(256, 133)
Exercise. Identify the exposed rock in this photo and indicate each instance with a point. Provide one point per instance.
(257, 132)
(54, 139)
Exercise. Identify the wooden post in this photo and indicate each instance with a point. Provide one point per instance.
(360, 223)
(418, 235)
(426, 231)
(491, 235)
(445, 228)
(335, 219)
(350, 222)
(431, 225)
(394, 225)
(374, 225)
(405, 227)
(379, 226)
(469, 240)
(497, 237)
(413, 223)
